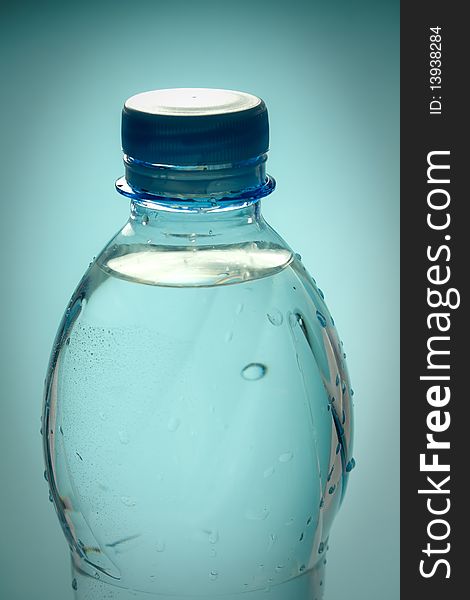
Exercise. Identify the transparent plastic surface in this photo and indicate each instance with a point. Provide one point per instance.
(197, 421)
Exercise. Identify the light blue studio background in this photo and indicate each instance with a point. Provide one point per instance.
(328, 72)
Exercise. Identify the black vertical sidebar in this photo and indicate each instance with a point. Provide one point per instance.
(435, 259)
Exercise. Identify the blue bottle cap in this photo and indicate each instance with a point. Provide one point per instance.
(194, 126)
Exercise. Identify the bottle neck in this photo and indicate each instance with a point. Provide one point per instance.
(196, 188)
(193, 224)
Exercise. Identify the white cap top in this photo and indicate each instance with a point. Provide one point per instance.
(191, 101)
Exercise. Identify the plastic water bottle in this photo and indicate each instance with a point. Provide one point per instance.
(197, 416)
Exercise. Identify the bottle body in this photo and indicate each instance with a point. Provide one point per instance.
(197, 420)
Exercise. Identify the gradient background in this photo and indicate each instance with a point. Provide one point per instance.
(328, 72)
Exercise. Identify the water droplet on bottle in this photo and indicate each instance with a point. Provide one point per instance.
(213, 575)
(321, 293)
(268, 472)
(228, 336)
(297, 256)
(332, 489)
(309, 520)
(343, 388)
(350, 466)
(286, 457)
(50, 496)
(272, 541)
(321, 319)
(213, 552)
(74, 584)
(254, 371)
(322, 502)
(301, 536)
(338, 448)
(351, 392)
(337, 379)
(45, 476)
(239, 308)
(330, 473)
(173, 423)
(321, 547)
(160, 546)
(279, 568)
(67, 341)
(257, 514)
(301, 568)
(213, 536)
(145, 220)
(275, 317)
(128, 501)
(343, 420)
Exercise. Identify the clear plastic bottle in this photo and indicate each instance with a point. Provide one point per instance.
(197, 418)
